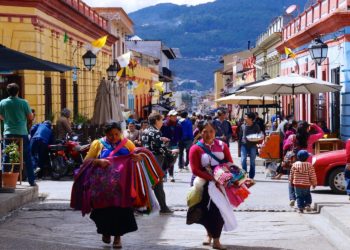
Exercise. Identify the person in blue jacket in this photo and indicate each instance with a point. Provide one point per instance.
(41, 137)
(172, 133)
(186, 140)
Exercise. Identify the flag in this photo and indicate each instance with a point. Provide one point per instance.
(124, 59)
(289, 53)
(65, 37)
(159, 86)
(99, 43)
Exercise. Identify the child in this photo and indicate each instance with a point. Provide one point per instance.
(302, 176)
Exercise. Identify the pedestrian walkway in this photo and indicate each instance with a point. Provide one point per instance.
(10, 201)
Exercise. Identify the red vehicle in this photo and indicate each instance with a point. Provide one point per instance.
(329, 169)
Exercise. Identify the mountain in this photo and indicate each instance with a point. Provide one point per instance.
(205, 32)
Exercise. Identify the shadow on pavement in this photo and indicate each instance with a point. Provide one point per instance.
(328, 191)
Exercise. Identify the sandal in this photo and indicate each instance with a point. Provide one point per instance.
(117, 243)
(220, 247)
(207, 242)
(106, 239)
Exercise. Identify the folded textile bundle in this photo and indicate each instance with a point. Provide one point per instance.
(194, 196)
(233, 180)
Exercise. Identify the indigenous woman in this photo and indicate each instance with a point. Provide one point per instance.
(112, 221)
(201, 164)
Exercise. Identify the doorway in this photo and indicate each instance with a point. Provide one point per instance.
(335, 105)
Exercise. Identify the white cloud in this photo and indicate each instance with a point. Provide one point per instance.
(133, 5)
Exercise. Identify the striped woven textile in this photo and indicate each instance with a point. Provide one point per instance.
(147, 173)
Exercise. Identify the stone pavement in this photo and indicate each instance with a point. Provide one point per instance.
(265, 221)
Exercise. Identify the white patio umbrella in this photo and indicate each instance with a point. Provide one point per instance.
(244, 100)
(289, 85)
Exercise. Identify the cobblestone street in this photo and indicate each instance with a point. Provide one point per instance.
(265, 222)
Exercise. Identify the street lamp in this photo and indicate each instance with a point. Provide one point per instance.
(318, 51)
(112, 71)
(89, 59)
(150, 94)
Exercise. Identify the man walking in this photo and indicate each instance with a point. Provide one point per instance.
(248, 147)
(171, 130)
(186, 140)
(15, 112)
(223, 127)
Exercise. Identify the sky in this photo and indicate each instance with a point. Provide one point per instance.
(133, 5)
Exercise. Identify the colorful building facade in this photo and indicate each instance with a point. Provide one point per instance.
(328, 20)
(56, 31)
(121, 26)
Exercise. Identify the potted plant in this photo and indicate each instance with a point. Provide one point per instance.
(9, 179)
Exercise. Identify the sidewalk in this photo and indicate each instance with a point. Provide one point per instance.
(335, 215)
(22, 195)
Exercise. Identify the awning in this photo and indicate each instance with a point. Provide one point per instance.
(14, 60)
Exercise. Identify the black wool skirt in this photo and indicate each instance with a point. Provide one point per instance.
(207, 214)
(115, 221)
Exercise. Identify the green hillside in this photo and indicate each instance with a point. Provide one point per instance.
(205, 32)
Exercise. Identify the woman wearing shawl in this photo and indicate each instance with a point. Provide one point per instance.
(201, 164)
(112, 221)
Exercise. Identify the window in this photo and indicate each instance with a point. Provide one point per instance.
(48, 98)
(75, 98)
(63, 88)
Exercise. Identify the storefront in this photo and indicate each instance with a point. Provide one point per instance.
(55, 31)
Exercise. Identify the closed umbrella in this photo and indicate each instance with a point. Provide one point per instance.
(107, 106)
(14, 60)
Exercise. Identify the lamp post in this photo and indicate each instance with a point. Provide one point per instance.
(318, 51)
(112, 71)
(89, 59)
(150, 95)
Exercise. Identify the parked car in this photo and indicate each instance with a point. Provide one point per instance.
(329, 169)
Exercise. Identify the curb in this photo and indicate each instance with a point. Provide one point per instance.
(331, 221)
(21, 196)
(337, 214)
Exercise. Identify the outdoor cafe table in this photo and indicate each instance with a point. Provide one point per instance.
(333, 142)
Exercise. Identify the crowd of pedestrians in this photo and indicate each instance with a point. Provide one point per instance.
(198, 143)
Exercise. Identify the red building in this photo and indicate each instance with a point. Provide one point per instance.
(328, 20)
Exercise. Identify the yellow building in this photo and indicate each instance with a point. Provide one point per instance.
(57, 31)
(141, 79)
(218, 85)
(121, 26)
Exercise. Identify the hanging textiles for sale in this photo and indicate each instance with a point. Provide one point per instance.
(122, 184)
(147, 174)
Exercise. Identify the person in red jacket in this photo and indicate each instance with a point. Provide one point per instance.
(201, 164)
(302, 177)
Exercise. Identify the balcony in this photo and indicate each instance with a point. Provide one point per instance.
(166, 72)
(166, 75)
(314, 14)
(87, 11)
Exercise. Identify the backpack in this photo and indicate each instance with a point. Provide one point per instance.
(289, 158)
